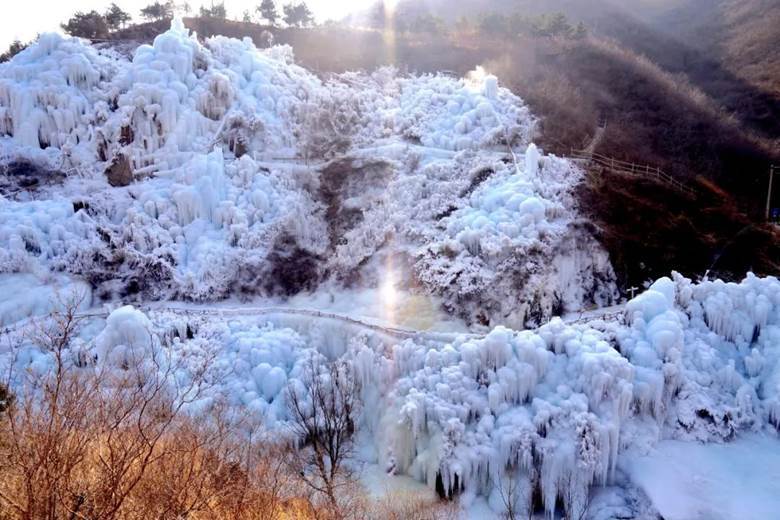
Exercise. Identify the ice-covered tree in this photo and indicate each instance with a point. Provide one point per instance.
(267, 10)
(298, 15)
(87, 25)
(116, 18)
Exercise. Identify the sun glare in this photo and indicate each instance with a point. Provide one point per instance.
(388, 294)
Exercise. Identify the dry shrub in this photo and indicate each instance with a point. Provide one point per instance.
(92, 441)
(408, 505)
(89, 441)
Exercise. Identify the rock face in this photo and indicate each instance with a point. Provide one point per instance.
(120, 171)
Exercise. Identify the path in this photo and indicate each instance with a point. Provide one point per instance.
(369, 324)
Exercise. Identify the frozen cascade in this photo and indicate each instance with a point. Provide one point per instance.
(211, 211)
(553, 408)
(225, 141)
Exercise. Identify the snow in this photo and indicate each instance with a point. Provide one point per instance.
(126, 339)
(246, 164)
(27, 295)
(445, 114)
(47, 96)
(489, 258)
(562, 408)
(412, 200)
(692, 481)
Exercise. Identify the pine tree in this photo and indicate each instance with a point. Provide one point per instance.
(90, 25)
(115, 17)
(267, 10)
(158, 11)
(15, 48)
(298, 15)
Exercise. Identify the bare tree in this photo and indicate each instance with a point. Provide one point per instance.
(323, 421)
(91, 439)
(86, 415)
(515, 494)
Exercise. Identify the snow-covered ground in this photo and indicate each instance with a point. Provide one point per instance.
(693, 481)
(391, 199)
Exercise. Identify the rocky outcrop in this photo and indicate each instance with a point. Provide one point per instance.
(120, 171)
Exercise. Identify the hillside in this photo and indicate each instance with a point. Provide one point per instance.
(726, 47)
(654, 117)
(235, 287)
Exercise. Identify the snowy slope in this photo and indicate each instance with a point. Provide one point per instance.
(693, 481)
(251, 176)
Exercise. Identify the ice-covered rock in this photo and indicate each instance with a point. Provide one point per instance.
(513, 252)
(127, 339)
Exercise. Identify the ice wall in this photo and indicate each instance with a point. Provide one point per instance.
(552, 409)
(243, 165)
(49, 92)
(514, 253)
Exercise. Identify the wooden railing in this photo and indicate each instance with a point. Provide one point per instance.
(637, 170)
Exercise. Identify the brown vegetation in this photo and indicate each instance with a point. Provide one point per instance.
(88, 441)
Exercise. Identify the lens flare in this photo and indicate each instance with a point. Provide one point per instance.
(388, 34)
(389, 296)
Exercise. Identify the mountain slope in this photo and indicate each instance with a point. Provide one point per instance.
(247, 184)
(207, 171)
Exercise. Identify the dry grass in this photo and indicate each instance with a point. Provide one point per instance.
(82, 442)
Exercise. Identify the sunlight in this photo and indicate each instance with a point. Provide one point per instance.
(389, 295)
(390, 6)
(388, 34)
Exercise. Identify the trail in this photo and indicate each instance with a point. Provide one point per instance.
(369, 324)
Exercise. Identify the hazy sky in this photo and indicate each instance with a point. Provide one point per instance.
(23, 19)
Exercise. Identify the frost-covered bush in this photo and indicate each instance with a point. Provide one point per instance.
(127, 340)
